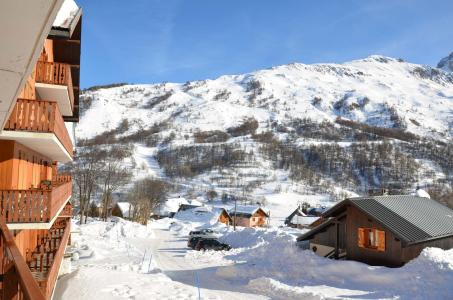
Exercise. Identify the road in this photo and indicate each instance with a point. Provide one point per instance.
(169, 252)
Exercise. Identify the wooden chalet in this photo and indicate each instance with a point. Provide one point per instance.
(184, 207)
(123, 210)
(39, 79)
(296, 213)
(381, 230)
(249, 216)
(223, 216)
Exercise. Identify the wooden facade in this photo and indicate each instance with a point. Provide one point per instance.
(35, 210)
(351, 233)
(257, 218)
(224, 217)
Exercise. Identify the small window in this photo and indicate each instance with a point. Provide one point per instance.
(371, 238)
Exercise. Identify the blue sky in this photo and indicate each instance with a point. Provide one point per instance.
(149, 41)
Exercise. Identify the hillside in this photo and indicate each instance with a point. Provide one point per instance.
(327, 130)
(446, 63)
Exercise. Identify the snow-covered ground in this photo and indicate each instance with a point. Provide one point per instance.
(118, 260)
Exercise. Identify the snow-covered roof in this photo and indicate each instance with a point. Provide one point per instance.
(218, 210)
(125, 208)
(246, 210)
(171, 205)
(195, 202)
(303, 220)
(422, 193)
(66, 14)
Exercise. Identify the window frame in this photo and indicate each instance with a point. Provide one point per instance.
(371, 238)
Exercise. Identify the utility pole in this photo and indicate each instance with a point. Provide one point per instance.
(235, 207)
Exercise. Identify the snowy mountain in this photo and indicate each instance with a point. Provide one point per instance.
(342, 128)
(446, 63)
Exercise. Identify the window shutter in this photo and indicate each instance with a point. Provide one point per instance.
(361, 237)
(381, 240)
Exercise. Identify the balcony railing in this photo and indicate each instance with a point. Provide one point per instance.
(58, 179)
(17, 281)
(39, 116)
(55, 73)
(34, 205)
(49, 255)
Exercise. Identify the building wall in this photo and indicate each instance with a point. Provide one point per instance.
(411, 252)
(223, 218)
(21, 167)
(392, 254)
(48, 50)
(29, 92)
(325, 237)
(242, 221)
(27, 240)
(258, 219)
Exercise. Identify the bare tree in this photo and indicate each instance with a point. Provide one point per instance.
(85, 171)
(113, 175)
(145, 196)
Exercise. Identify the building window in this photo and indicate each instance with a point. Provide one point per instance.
(371, 238)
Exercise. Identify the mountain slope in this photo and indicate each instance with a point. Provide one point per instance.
(293, 126)
(446, 63)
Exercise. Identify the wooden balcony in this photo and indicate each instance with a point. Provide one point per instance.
(36, 116)
(46, 259)
(34, 205)
(58, 74)
(16, 281)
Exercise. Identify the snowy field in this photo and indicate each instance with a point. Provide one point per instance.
(124, 260)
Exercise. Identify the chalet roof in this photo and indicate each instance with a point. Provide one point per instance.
(125, 208)
(413, 219)
(303, 220)
(296, 212)
(217, 211)
(187, 206)
(246, 211)
(320, 227)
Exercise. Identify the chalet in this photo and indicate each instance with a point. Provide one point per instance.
(123, 210)
(39, 78)
(381, 230)
(249, 216)
(169, 208)
(222, 216)
(185, 206)
(296, 213)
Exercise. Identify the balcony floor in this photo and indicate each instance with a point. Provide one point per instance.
(59, 93)
(46, 144)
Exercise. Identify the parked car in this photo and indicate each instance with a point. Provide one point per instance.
(211, 244)
(192, 242)
(203, 232)
(195, 232)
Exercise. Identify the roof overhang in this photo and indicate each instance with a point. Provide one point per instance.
(24, 26)
(66, 32)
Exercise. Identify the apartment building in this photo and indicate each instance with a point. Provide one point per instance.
(39, 92)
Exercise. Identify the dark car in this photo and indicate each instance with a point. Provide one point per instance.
(192, 242)
(211, 244)
(202, 232)
(195, 232)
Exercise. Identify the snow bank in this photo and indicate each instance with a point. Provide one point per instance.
(272, 262)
